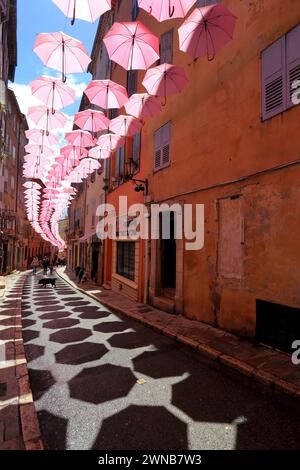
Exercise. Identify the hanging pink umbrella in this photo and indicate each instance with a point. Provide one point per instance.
(80, 139)
(110, 142)
(67, 164)
(43, 118)
(206, 31)
(40, 137)
(54, 93)
(89, 165)
(62, 52)
(87, 10)
(106, 94)
(99, 153)
(74, 153)
(132, 45)
(90, 120)
(143, 106)
(31, 184)
(165, 80)
(35, 150)
(126, 126)
(165, 9)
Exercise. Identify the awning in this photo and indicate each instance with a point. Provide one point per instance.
(87, 236)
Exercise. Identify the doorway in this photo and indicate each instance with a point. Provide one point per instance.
(168, 256)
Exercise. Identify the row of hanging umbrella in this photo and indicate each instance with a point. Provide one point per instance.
(132, 46)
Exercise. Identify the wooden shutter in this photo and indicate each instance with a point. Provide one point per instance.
(132, 78)
(166, 134)
(136, 150)
(162, 146)
(157, 149)
(166, 48)
(293, 62)
(274, 79)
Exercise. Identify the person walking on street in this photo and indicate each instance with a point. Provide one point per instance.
(45, 265)
(34, 265)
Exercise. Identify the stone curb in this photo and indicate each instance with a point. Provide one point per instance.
(258, 375)
(29, 421)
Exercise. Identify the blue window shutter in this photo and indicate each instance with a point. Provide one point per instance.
(274, 99)
(293, 62)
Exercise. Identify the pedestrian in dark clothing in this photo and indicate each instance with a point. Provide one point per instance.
(81, 275)
(45, 265)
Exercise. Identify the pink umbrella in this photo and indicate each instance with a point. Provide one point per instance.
(62, 52)
(35, 150)
(165, 80)
(90, 120)
(54, 93)
(67, 164)
(126, 126)
(80, 139)
(90, 165)
(88, 10)
(31, 184)
(132, 45)
(74, 153)
(165, 9)
(206, 31)
(99, 153)
(40, 137)
(110, 142)
(143, 106)
(106, 94)
(43, 118)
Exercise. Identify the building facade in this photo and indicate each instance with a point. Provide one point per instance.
(228, 142)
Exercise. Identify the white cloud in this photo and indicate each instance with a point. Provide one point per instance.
(24, 96)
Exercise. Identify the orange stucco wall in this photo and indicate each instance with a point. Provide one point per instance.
(217, 137)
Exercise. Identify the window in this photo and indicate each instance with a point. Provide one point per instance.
(280, 68)
(126, 260)
(12, 185)
(132, 78)
(166, 48)
(120, 162)
(113, 113)
(205, 3)
(134, 10)
(107, 169)
(136, 150)
(6, 180)
(162, 139)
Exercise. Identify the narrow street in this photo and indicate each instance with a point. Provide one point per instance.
(101, 381)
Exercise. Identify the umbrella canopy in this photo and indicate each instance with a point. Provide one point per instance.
(41, 137)
(206, 31)
(143, 106)
(80, 139)
(165, 80)
(132, 45)
(62, 52)
(90, 120)
(99, 153)
(43, 118)
(35, 149)
(110, 142)
(74, 153)
(106, 94)
(88, 10)
(54, 93)
(165, 9)
(126, 126)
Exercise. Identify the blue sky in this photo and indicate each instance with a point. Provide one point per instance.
(38, 16)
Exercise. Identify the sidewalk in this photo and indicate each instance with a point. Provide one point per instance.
(265, 365)
(19, 429)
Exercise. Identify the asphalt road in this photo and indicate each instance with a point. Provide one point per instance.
(105, 382)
